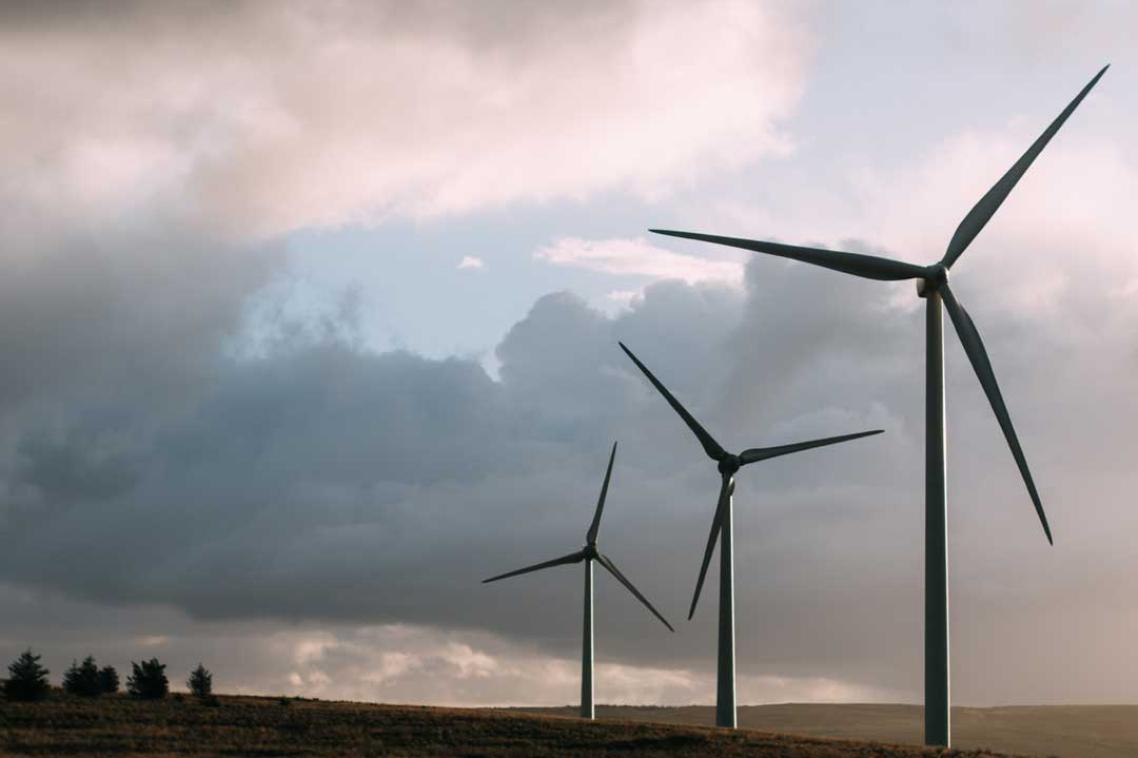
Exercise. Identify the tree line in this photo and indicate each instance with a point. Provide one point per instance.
(28, 680)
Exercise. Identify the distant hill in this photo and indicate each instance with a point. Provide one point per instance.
(1069, 731)
(118, 725)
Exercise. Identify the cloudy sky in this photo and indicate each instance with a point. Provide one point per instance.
(309, 314)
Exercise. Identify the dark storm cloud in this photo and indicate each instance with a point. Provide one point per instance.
(85, 311)
(324, 482)
(327, 444)
(107, 340)
(72, 469)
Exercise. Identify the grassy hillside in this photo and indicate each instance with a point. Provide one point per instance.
(264, 726)
(1070, 731)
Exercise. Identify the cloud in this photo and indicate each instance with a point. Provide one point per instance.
(1063, 226)
(342, 503)
(636, 257)
(470, 261)
(423, 665)
(332, 486)
(90, 314)
(297, 115)
(623, 297)
(393, 663)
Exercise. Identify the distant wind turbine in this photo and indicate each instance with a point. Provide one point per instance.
(932, 284)
(728, 464)
(588, 554)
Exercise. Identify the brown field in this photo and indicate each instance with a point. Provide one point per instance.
(120, 726)
(1070, 731)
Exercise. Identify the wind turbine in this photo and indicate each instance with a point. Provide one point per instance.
(587, 555)
(932, 285)
(728, 464)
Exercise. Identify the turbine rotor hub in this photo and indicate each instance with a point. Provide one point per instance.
(590, 551)
(729, 465)
(936, 276)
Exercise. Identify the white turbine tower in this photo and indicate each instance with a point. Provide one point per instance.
(587, 555)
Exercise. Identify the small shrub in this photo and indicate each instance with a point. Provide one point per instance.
(148, 681)
(200, 682)
(27, 679)
(83, 679)
(108, 680)
(211, 701)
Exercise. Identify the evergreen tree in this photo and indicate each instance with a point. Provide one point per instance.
(148, 681)
(83, 679)
(200, 682)
(27, 679)
(108, 680)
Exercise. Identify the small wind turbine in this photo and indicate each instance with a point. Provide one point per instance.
(588, 554)
(932, 284)
(728, 464)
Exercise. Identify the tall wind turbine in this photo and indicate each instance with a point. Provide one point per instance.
(587, 555)
(932, 285)
(727, 464)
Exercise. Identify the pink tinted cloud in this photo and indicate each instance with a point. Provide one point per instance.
(296, 115)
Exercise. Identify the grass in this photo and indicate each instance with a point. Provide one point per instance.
(1070, 731)
(255, 726)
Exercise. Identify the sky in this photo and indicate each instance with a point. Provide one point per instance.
(309, 322)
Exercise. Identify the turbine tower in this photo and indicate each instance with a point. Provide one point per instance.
(721, 524)
(932, 285)
(587, 555)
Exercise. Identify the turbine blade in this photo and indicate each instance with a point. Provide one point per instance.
(756, 454)
(591, 537)
(716, 525)
(867, 266)
(605, 561)
(576, 557)
(710, 446)
(990, 203)
(974, 347)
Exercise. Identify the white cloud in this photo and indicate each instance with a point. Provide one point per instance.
(623, 297)
(400, 663)
(637, 257)
(156, 640)
(304, 115)
(1065, 225)
(470, 261)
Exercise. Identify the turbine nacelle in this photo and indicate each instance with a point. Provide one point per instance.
(936, 276)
